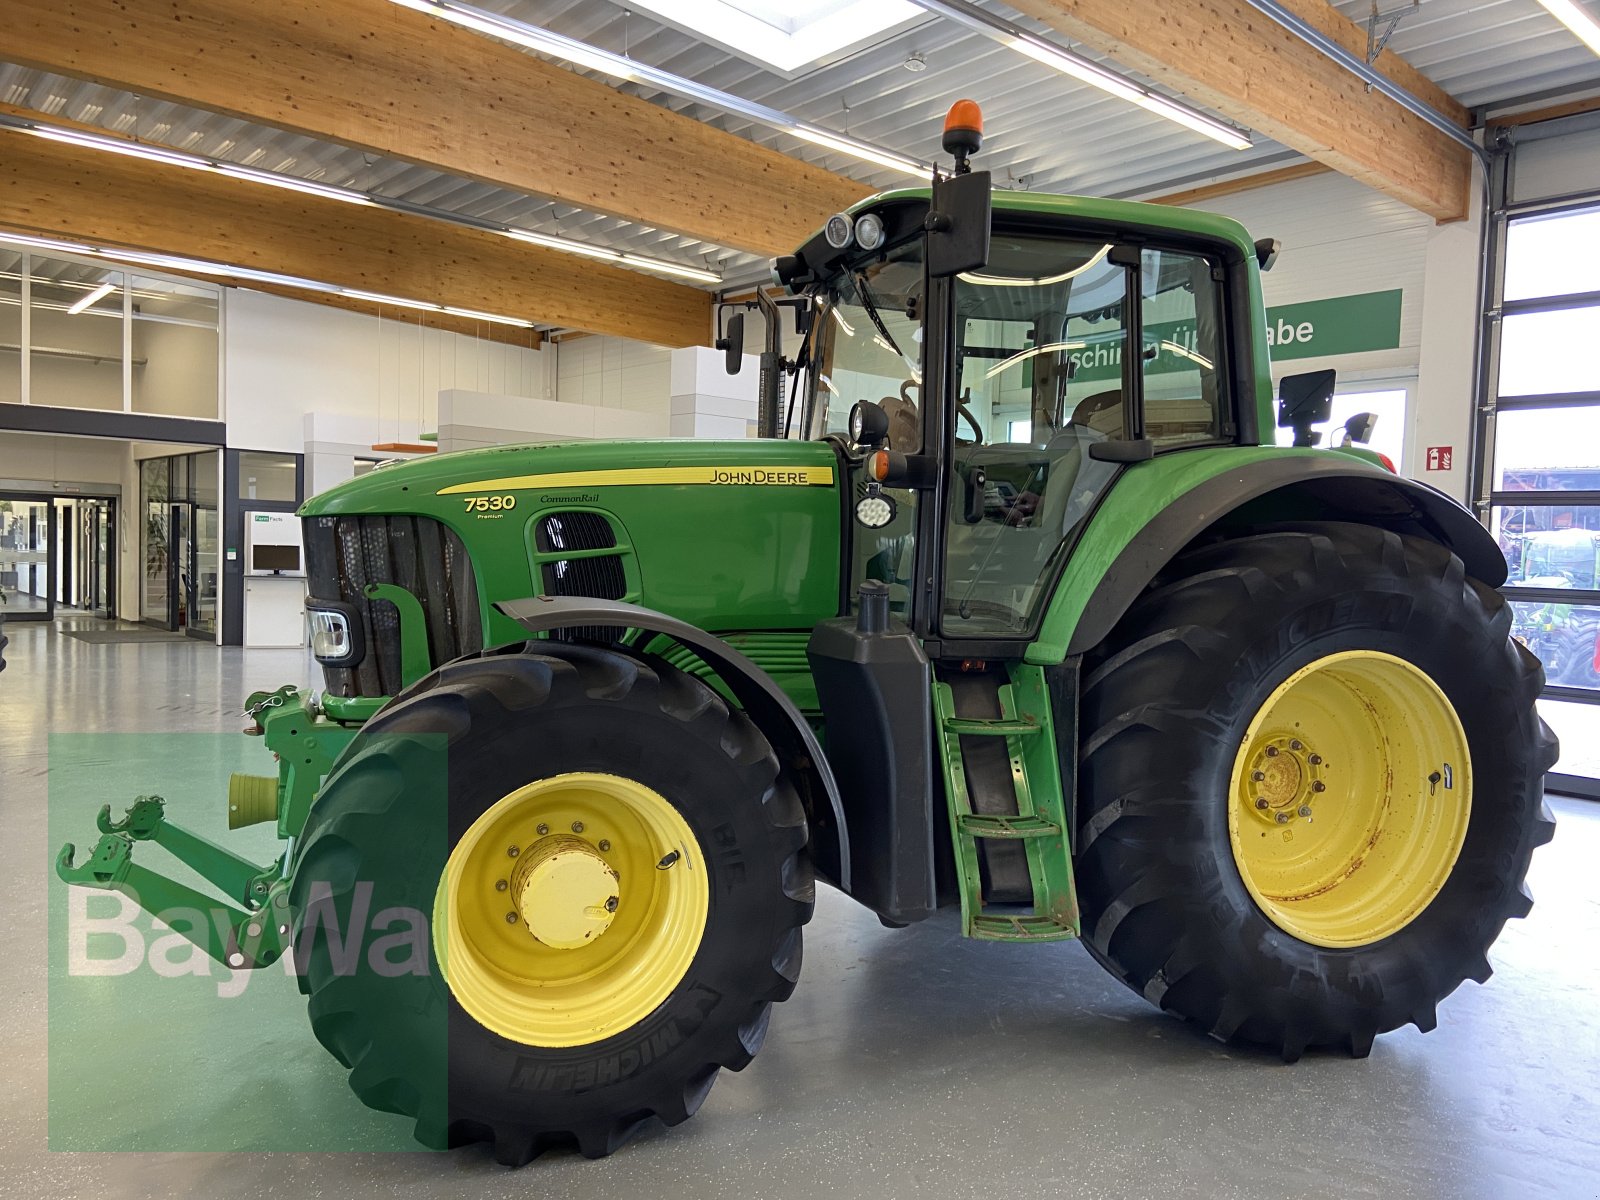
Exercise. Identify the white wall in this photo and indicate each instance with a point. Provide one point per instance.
(610, 372)
(287, 358)
(1343, 238)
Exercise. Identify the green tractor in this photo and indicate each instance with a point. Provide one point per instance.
(1013, 610)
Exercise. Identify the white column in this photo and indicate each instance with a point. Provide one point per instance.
(707, 402)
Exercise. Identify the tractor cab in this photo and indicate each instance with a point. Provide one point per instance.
(989, 368)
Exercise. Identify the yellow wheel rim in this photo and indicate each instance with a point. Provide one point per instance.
(571, 909)
(1350, 798)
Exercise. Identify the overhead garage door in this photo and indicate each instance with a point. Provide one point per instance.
(1540, 469)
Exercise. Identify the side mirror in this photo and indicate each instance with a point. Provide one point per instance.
(1267, 253)
(732, 343)
(1358, 429)
(1306, 400)
(958, 225)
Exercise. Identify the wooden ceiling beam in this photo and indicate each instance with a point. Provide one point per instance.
(54, 190)
(1226, 55)
(371, 74)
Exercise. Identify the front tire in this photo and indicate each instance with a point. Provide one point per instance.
(613, 866)
(1201, 764)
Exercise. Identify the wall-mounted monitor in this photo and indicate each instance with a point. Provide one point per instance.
(275, 558)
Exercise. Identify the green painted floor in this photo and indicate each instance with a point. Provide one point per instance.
(909, 1063)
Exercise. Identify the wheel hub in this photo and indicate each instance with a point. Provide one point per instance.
(566, 892)
(1286, 776)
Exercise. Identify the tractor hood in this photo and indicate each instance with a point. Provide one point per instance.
(726, 535)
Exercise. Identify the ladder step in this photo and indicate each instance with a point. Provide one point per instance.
(972, 727)
(983, 826)
(1028, 928)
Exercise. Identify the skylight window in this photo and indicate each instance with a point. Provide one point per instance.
(785, 34)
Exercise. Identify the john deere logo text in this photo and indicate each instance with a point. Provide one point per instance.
(758, 475)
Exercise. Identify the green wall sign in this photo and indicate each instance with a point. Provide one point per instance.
(1312, 329)
(1340, 325)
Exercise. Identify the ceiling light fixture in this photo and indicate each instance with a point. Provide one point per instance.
(530, 37)
(293, 183)
(1008, 33)
(94, 297)
(619, 67)
(200, 266)
(1575, 19)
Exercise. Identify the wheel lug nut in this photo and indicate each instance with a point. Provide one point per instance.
(1272, 752)
(604, 845)
(611, 904)
(1283, 818)
(500, 885)
(1304, 810)
(512, 851)
(511, 918)
(577, 827)
(1258, 776)
(1315, 760)
(1319, 786)
(1294, 744)
(1261, 801)
(542, 830)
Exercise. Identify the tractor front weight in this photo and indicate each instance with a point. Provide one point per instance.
(250, 927)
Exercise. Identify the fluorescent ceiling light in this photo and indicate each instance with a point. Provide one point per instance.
(862, 150)
(198, 266)
(530, 37)
(94, 297)
(618, 67)
(1008, 33)
(1575, 19)
(293, 183)
(113, 145)
(787, 34)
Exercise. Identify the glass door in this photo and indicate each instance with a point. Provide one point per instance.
(27, 553)
(97, 527)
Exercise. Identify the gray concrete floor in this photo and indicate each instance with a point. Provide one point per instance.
(908, 1063)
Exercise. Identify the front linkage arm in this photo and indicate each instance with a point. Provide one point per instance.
(253, 936)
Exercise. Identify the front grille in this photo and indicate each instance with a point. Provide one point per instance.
(344, 554)
(601, 575)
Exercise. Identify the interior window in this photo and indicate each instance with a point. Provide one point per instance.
(1181, 317)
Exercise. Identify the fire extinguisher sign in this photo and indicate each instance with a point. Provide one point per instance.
(1440, 458)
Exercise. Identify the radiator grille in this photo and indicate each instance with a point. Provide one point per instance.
(344, 554)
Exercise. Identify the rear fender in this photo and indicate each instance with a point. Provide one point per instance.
(1120, 554)
(766, 704)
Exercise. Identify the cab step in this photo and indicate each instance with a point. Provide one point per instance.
(979, 825)
(1017, 785)
(974, 727)
(1024, 927)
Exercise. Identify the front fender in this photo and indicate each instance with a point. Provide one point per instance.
(1158, 508)
(767, 705)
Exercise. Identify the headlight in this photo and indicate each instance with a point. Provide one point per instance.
(869, 231)
(335, 633)
(838, 231)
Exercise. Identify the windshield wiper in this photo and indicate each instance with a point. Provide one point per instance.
(864, 290)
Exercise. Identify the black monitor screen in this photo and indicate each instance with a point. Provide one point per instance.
(274, 558)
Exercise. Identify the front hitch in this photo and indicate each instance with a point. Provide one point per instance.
(241, 938)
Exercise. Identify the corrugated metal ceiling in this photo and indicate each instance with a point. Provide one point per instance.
(1046, 131)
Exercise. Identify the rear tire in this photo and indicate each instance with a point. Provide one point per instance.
(1168, 701)
(507, 720)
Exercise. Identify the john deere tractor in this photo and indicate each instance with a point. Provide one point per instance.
(1014, 609)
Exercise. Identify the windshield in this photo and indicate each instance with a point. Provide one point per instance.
(872, 347)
